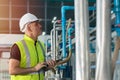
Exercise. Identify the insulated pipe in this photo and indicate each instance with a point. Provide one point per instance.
(103, 70)
(56, 44)
(77, 39)
(63, 11)
(98, 32)
(82, 40)
(54, 38)
(52, 44)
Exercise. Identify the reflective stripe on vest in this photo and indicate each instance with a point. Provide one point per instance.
(27, 54)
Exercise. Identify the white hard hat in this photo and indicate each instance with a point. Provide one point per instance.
(25, 19)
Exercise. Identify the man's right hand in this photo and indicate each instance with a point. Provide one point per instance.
(39, 66)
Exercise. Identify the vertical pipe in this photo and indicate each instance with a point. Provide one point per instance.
(98, 32)
(103, 70)
(77, 38)
(63, 32)
(117, 11)
(56, 43)
(82, 40)
(54, 39)
(70, 30)
(52, 44)
(63, 11)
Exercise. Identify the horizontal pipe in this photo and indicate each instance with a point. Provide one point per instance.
(91, 8)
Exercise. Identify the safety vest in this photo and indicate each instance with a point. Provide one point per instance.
(31, 54)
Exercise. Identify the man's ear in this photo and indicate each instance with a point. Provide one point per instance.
(28, 28)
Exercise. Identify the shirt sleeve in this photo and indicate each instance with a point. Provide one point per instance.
(15, 53)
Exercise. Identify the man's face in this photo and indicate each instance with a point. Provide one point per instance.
(36, 28)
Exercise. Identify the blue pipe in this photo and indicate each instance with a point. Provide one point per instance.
(48, 44)
(63, 11)
(117, 29)
(117, 13)
(70, 31)
(91, 8)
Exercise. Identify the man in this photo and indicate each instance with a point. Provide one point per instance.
(27, 60)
